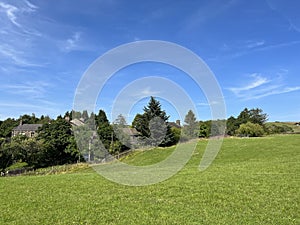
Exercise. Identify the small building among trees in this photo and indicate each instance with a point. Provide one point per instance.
(29, 130)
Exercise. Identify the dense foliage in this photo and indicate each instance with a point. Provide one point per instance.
(54, 145)
(55, 142)
(255, 116)
(153, 125)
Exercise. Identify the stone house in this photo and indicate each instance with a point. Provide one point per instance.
(30, 130)
(175, 124)
(132, 133)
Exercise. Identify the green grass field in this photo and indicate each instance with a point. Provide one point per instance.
(252, 181)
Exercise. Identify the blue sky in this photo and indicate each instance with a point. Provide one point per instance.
(252, 47)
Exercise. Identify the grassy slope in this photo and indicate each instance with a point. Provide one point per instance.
(290, 124)
(252, 181)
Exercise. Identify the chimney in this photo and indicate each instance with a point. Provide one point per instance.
(21, 122)
(178, 122)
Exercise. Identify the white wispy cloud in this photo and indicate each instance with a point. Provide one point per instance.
(31, 6)
(205, 104)
(18, 57)
(255, 44)
(149, 92)
(280, 90)
(75, 42)
(261, 87)
(72, 43)
(258, 81)
(15, 13)
(17, 36)
(249, 47)
(32, 90)
(10, 12)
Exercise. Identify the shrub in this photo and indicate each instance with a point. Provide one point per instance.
(250, 130)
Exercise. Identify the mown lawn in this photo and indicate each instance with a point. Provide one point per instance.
(252, 181)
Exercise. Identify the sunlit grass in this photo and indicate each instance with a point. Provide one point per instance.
(252, 181)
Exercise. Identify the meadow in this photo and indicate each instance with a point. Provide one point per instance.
(252, 181)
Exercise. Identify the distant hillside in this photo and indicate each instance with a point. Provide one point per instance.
(296, 128)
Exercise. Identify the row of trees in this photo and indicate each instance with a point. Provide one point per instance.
(55, 143)
(250, 123)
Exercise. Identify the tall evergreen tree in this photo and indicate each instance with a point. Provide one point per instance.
(190, 129)
(85, 115)
(153, 125)
(104, 129)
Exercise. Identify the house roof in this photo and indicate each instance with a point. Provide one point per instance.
(76, 122)
(130, 131)
(28, 127)
(173, 124)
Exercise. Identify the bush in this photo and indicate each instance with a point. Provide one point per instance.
(278, 128)
(250, 130)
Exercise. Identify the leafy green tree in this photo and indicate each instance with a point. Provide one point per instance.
(27, 119)
(190, 129)
(257, 116)
(104, 129)
(176, 133)
(204, 129)
(250, 129)
(232, 126)
(45, 119)
(57, 138)
(5, 158)
(253, 115)
(34, 151)
(7, 126)
(13, 151)
(243, 117)
(89, 144)
(122, 141)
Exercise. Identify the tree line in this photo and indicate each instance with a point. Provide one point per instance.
(55, 142)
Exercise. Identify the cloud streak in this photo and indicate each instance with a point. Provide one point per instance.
(72, 43)
(10, 12)
(17, 35)
(250, 47)
(261, 87)
(33, 90)
(258, 81)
